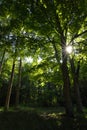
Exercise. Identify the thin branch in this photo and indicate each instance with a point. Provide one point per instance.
(83, 41)
(78, 35)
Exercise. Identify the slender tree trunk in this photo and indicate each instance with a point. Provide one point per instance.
(19, 84)
(2, 60)
(10, 87)
(75, 75)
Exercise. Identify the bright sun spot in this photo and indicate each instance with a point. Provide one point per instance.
(29, 59)
(69, 49)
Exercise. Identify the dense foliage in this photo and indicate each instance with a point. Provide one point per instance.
(35, 68)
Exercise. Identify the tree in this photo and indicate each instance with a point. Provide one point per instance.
(10, 87)
(62, 18)
(19, 84)
(1, 62)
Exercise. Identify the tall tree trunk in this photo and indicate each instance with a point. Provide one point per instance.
(66, 88)
(66, 81)
(10, 87)
(75, 75)
(19, 84)
(1, 62)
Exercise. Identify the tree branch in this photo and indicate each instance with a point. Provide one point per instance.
(78, 35)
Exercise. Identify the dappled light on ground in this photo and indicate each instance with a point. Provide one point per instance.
(38, 120)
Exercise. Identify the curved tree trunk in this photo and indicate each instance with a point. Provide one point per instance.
(10, 87)
(19, 84)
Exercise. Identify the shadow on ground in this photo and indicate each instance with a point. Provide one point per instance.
(24, 120)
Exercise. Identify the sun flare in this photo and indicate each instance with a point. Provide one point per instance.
(69, 49)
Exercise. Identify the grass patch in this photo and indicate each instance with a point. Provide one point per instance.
(40, 119)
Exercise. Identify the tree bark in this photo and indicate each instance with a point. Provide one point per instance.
(10, 87)
(19, 84)
(66, 81)
(1, 62)
(66, 88)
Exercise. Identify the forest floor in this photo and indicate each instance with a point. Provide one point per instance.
(41, 119)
